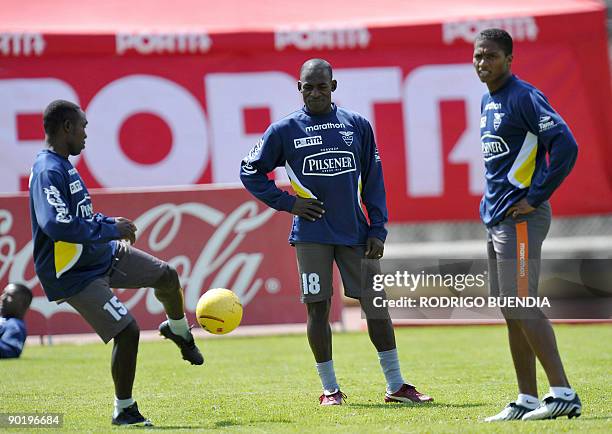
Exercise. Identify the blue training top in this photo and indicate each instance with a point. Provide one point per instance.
(518, 127)
(332, 158)
(12, 337)
(72, 245)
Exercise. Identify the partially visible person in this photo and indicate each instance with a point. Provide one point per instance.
(14, 303)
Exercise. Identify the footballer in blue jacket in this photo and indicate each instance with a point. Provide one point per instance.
(518, 129)
(333, 165)
(15, 300)
(79, 255)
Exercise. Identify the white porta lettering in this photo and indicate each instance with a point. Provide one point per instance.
(24, 96)
(424, 89)
(137, 94)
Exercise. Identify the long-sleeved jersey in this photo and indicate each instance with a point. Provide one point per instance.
(12, 337)
(332, 158)
(518, 127)
(72, 245)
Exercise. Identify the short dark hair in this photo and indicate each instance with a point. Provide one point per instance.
(25, 291)
(499, 36)
(317, 64)
(57, 112)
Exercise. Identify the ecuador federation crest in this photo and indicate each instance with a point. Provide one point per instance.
(347, 136)
(497, 118)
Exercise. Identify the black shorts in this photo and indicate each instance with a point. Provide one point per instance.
(315, 267)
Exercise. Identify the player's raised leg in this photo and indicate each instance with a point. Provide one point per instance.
(133, 268)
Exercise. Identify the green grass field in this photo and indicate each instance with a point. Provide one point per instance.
(269, 384)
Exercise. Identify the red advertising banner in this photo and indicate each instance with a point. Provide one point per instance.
(182, 107)
(215, 237)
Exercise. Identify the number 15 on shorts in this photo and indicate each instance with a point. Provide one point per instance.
(310, 283)
(115, 308)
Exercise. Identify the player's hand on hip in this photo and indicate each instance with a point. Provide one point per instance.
(127, 229)
(374, 248)
(519, 208)
(310, 209)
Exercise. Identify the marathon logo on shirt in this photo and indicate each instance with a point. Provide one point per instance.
(308, 141)
(75, 187)
(327, 126)
(546, 123)
(329, 163)
(493, 147)
(493, 106)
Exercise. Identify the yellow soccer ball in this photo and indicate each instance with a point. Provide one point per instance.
(219, 311)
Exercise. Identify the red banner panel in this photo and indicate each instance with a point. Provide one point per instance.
(215, 237)
(183, 105)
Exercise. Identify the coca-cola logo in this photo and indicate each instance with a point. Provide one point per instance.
(218, 261)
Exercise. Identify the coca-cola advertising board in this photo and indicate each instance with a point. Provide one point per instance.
(215, 237)
(183, 107)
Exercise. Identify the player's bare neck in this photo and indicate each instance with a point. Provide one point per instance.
(494, 86)
(59, 148)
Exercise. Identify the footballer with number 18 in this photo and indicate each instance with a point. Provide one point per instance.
(331, 158)
(518, 128)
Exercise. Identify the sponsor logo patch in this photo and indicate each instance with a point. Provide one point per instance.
(347, 136)
(75, 186)
(493, 147)
(254, 153)
(329, 163)
(546, 123)
(85, 207)
(493, 106)
(308, 141)
(54, 197)
(327, 126)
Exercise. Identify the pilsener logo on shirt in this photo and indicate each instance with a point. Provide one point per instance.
(329, 163)
(493, 147)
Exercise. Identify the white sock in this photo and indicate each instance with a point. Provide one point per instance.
(179, 327)
(120, 404)
(528, 401)
(562, 392)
